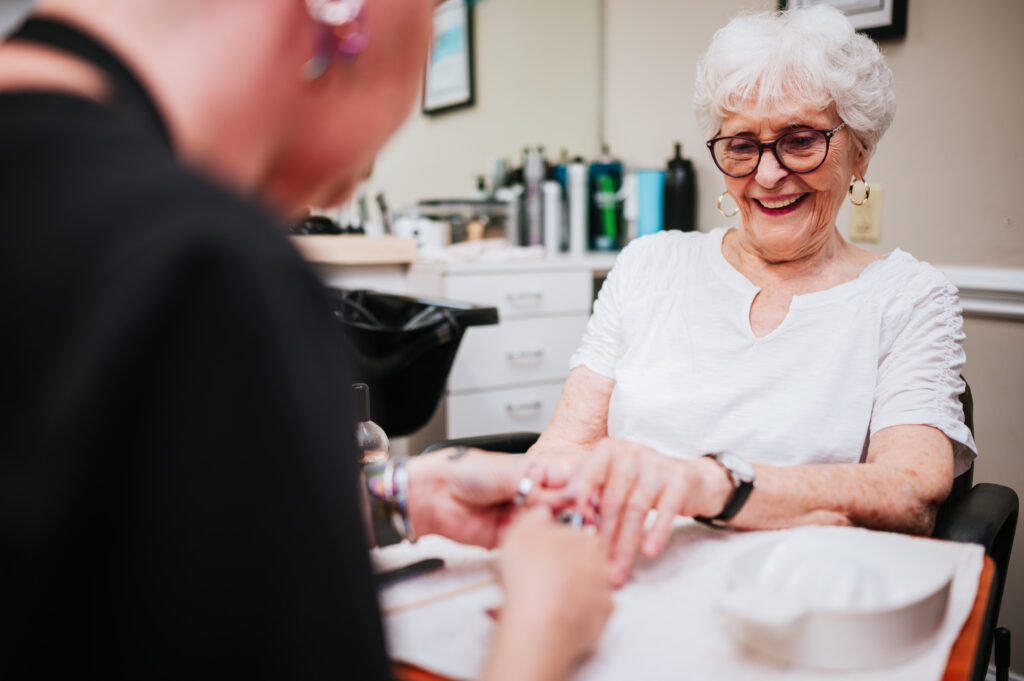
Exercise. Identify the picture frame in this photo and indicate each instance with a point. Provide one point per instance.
(878, 19)
(448, 83)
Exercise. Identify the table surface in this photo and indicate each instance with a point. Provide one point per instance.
(961, 657)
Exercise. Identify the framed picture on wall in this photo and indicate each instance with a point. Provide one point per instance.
(877, 18)
(448, 83)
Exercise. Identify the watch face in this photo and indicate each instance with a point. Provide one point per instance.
(744, 471)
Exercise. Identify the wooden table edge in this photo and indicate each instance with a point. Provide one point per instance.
(958, 667)
(403, 671)
(961, 657)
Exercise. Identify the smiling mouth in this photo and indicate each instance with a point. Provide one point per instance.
(782, 203)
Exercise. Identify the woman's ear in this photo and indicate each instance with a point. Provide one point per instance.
(860, 164)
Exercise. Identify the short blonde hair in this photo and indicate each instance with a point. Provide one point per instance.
(809, 56)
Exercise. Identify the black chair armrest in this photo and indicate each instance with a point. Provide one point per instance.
(986, 515)
(511, 443)
(981, 516)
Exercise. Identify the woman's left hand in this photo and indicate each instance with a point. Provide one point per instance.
(623, 481)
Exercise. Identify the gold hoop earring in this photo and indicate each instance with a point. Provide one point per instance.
(735, 210)
(867, 192)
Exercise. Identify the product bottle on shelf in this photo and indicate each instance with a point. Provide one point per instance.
(371, 440)
(576, 200)
(534, 169)
(680, 193)
(606, 220)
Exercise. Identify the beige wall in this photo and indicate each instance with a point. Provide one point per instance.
(538, 82)
(996, 372)
(952, 166)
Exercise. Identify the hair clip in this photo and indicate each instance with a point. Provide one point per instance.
(340, 30)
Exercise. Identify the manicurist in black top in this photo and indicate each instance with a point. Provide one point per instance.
(179, 492)
(177, 468)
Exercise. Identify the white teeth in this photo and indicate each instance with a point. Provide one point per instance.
(780, 204)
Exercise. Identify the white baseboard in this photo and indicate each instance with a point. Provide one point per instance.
(989, 291)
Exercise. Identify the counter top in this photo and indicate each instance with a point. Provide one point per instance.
(352, 249)
(597, 262)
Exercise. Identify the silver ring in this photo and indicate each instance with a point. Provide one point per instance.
(572, 518)
(523, 490)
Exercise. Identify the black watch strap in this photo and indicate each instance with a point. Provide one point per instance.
(743, 485)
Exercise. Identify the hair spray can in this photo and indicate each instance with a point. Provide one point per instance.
(577, 198)
(552, 218)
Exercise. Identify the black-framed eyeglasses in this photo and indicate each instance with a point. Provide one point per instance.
(800, 151)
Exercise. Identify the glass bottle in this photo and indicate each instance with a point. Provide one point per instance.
(371, 440)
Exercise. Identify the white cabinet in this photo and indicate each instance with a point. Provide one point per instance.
(508, 376)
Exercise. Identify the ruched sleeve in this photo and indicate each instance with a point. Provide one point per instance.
(919, 379)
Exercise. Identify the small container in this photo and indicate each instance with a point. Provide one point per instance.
(371, 440)
(650, 201)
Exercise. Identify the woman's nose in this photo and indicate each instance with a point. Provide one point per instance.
(769, 171)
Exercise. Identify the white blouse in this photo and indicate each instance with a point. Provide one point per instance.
(671, 327)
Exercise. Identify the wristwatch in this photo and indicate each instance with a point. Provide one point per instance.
(743, 480)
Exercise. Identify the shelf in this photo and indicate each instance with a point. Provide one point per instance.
(351, 249)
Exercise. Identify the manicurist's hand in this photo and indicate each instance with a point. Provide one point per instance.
(557, 598)
(622, 481)
(467, 494)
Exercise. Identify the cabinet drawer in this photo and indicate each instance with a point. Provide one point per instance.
(525, 294)
(516, 351)
(502, 411)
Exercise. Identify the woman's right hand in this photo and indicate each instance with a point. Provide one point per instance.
(557, 597)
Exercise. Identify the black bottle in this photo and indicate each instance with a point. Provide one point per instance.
(680, 193)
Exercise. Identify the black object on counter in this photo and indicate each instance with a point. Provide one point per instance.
(403, 348)
(316, 224)
(680, 193)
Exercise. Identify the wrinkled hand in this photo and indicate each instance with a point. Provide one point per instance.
(556, 580)
(466, 494)
(622, 481)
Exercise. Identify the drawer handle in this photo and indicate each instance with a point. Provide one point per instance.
(524, 355)
(525, 297)
(523, 407)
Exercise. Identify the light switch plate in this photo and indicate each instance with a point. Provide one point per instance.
(866, 219)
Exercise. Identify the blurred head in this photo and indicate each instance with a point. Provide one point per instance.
(339, 121)
(768, 74)
(228, 77)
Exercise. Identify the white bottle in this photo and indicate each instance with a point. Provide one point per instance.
(552, 218)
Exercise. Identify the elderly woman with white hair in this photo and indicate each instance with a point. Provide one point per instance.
(770, 374)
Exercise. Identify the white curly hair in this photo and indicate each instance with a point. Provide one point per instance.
(808, 56)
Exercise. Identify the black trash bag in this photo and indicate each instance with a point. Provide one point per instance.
(403, 348)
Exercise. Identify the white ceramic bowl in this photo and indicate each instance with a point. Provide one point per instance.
(838, 598)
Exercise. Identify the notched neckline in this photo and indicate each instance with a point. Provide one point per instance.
(750, 291)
